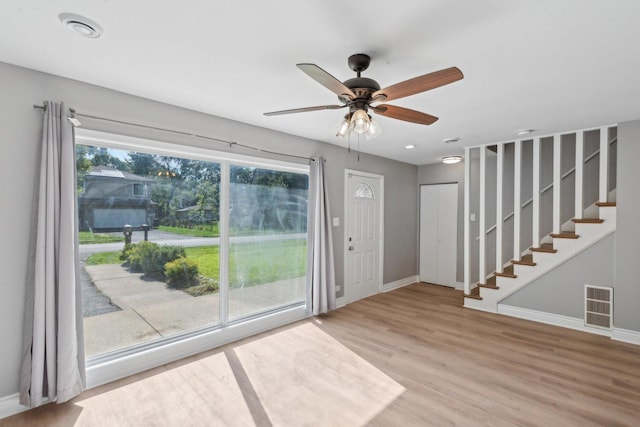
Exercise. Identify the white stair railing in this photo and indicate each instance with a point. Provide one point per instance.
(605, 140)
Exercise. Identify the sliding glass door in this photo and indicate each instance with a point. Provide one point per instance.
(173, 244)
(268, 240)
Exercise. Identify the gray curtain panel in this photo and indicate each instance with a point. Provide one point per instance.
(320, 267)
(53, 353)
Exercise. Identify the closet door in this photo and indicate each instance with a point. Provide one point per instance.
(438, 233)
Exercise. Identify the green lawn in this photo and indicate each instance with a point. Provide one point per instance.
(104, 258)
(250, 263)
(87, 237)
(208, 260)
(265, 262)
(210, 231)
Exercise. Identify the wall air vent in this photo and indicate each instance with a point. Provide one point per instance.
(598, 306)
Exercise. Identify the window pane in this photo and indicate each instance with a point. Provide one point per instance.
(268, 240)
(156, 288)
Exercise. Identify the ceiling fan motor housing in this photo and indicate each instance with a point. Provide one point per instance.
(362, 87)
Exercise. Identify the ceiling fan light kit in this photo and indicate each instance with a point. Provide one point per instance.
(360, 121)
(360, 93)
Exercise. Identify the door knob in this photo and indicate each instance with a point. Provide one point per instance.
(351, 248)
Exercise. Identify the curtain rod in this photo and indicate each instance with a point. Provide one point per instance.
(231, 144)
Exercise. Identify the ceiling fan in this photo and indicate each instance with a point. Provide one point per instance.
(360, 93)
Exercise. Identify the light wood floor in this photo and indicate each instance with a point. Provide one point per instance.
(413, 356)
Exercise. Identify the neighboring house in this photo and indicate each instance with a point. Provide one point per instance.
(112, 198)
(195, 214)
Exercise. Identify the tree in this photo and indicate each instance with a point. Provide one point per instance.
(143, 164)
(83, 165)
(100, 156)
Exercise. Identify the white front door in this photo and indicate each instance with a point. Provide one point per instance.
(364, 214)
(438, 233)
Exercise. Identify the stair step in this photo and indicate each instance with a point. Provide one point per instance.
(507, 272)
(475, 294)
(588, 221)
(565, 235)
(507, 275)
(606, 204)
(525, 260)
(491, 283)
(545, 247)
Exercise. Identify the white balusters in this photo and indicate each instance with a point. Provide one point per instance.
(557, 181)
(579, 178)
(604, 165)
(499, 212)
(535, 226)
(482, 213)
(517, 205)
(467, 219)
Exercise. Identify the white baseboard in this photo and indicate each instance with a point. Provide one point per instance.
(10, 405)
(626, 335)
(386, 287)
(550, 319)
(400, 283)
(618, 334)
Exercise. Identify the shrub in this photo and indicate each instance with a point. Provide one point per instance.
(181, 272)
(150, 258)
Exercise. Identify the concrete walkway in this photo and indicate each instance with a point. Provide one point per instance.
(151, 310)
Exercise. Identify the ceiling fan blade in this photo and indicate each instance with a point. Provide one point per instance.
(327, 80)
(418, 84)
(405, 114)
(303, 110)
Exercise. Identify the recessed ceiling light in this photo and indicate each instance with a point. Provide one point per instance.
(451, 140)
(410, 147)
(524, 132)
(450, 160)
(80, 25)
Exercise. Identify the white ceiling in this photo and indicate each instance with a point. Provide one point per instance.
(549, 65)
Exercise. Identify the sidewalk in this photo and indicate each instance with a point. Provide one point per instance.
(151, 310)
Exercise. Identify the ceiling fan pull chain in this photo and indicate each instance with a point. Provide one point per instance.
(358, 147)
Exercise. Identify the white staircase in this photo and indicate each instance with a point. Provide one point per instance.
(553, 230)
(566, 248)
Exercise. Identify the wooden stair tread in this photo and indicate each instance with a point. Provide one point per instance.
(507, 272)
(475, 294)
(588, 220)
(507, 275)
(545, 247)
(565, 235)
(525, 260)
(606, 204)
(491, 283)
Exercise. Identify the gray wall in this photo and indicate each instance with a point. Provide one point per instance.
(439, 173)
(20, 127)
(561, 290)
(627, 292)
